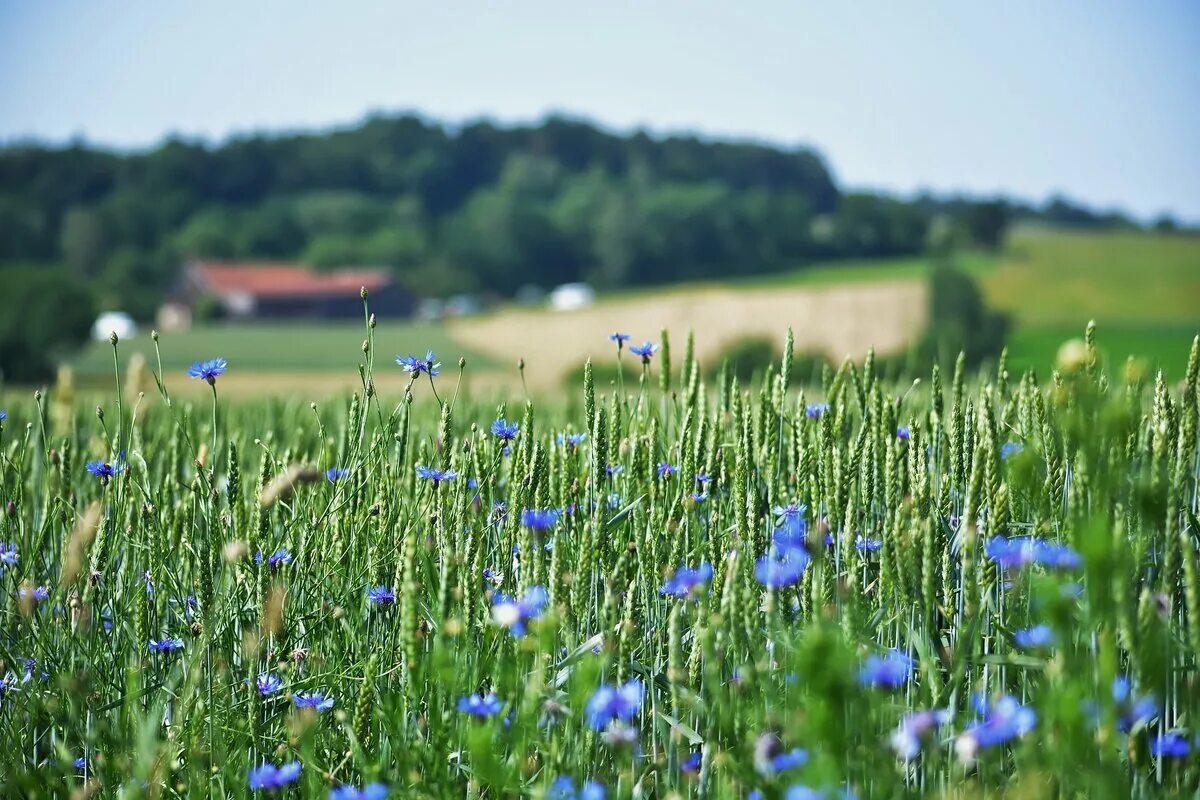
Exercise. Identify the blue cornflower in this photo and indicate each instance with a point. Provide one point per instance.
(381, 596)
(103, 470)
(1056, 556)
(1005, 720)
(791, 525)
(699, 497)
(610, 703)
(1036, 637)
(867, 545)
(481, 705)
(1010, 449)
(3, 416)
(372, 791)
(796, 757)
(435, 475)
(269, 776)
(688, 581)
(1170, 745)
(492, 576)
(703, 478)
(39, 593)
(644, 350)
(816, 410)
(1131, 711)
(691, 765)
(8, 555)
(572, 439)
(515, 614)
(1022, 550)
(915, 729)
(268, 684)
(280, 558)
(314, 700)
(890, 671)
(781, 567)
(666, 470)
(415, 366)
(563, 788)
(619, 338)
(165, 645)
(540, 520)
(209, 370)
(613, 469)
(504, 430)
(80, 763)
(903, 433)
(334, 474)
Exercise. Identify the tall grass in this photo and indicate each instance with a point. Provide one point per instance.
(936, 519)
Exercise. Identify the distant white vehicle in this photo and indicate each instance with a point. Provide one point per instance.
(572, 297)
(111, 322)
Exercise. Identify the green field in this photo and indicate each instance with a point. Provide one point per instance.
(292, 347)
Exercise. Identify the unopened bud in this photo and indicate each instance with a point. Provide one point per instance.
(112, 338)
(371, 321)
(154, 335)
(362, 292)
(100, 412)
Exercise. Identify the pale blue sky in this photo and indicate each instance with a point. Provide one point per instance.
(1097, 99)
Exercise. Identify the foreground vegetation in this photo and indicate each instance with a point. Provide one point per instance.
(680, 587)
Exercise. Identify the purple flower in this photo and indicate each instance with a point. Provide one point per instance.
(1010, 449)
(504, 430)
(314, 700)
(1170, 745)
(816, 410)
(8, 556)
(270, 777)
(1033, 638)
(372, 791)
(619, 338)
(268, 684)
(571, 439)
(644, 350)
(515, 614)
(334, 474)
(436, 475)
(691, 765)
(1131, 711)
(781, 567)
(688, 581)
(208, 370)
(791, 526)
(481, 705)
(540, 520)
(1004, 721)
(890, 671)
(103, 470)
(1022, 550)
(903, 433)
(666, 470)
(165, 645)
(415, 366)
(280, 558)
(914, 730)
(867, 545)
(381, 596)
(563, 788)
(611, 703)
(39, 594)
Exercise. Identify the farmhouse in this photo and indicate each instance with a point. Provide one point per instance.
(274, 291)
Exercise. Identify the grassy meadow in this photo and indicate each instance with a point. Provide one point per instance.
(677, 587)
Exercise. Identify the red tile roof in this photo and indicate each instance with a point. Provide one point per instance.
(283, 280)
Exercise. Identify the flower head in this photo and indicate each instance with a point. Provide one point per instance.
(540, 520)
(563, 788)
(644, 350)
(1022, 550)
(372, 791)
(867, 545)
(516, 613)
(208, 370)
(381, 596)
(1132, 710)
(619, 338)
(415, 366)
(8, 555)
(665, 469)
(334, 474)
(1003, 721)
(435, 475)
(268, 684)
(504, 430)
(903, 433)
(103, 470)
(816, 410)
(890, 671)
(269, 776)
(481, 705)
(611, 703)
(1170, 745)
(314, 700)
(165, 645)
(688, 581)
(1010, 449)
(572, 439)
(280, 558)
(1034, 638)
(781, 567)
(914, 730)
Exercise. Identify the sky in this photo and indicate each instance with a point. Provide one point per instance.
(1099, 100)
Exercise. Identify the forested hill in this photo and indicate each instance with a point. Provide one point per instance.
(478, 207)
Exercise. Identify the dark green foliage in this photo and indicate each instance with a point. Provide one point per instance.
(44, 313)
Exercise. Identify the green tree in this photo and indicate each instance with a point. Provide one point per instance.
(45, 314)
